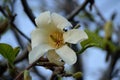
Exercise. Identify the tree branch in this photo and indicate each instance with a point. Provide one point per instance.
(30, 66)
(14, 26)
(11, 19)
(18, 38)
(77, 10)
(99, 13)
(28, 11)
(3, 12)
(38, 73)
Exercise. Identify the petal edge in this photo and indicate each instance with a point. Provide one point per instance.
(67, 54)
(37, 52)
(60, 21)
(43, 20)
(74, 36)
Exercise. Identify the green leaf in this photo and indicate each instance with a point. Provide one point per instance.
(5, 49)
(16, 51)
(93, 40)
(8, 52)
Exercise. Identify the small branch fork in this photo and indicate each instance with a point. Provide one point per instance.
(44, 62)
(11, 19)
(19, 76)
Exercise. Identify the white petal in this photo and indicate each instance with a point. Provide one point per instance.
(60, 21)
(67, 54)
(43, 20)
(74, 36)
(54, 58)
(39, 36)
(37, 52)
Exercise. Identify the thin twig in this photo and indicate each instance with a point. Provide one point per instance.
(114, 59)
(18, 38)
(45, 64)
(30, 66)
(16, 34)
(14, 26)
(3, 12)
(54, 77)
(99, 13)
(11, 22)
(55, 68)
(66, 75)
(77, 10)
(38, 73)
(28, 11)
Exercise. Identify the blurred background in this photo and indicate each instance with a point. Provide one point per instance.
(94, 62)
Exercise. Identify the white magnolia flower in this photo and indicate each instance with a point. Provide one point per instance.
(50, 36)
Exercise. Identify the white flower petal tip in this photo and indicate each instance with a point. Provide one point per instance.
(34, 55)
(43, 19)
(74, 36)
(67, 54)
(37, 52)
(60, 21)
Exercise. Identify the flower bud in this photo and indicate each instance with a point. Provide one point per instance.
(108, 27)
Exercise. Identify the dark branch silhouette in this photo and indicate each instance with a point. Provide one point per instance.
(28, 11)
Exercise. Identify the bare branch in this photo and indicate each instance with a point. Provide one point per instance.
(11, 19)
(99, 13)
(28, 11)
(19, 76)
(38, 73)
(14, 26)
(77, 10)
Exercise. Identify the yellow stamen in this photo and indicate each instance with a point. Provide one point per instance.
(56, 39)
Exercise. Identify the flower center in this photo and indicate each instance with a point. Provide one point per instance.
(56, 39)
